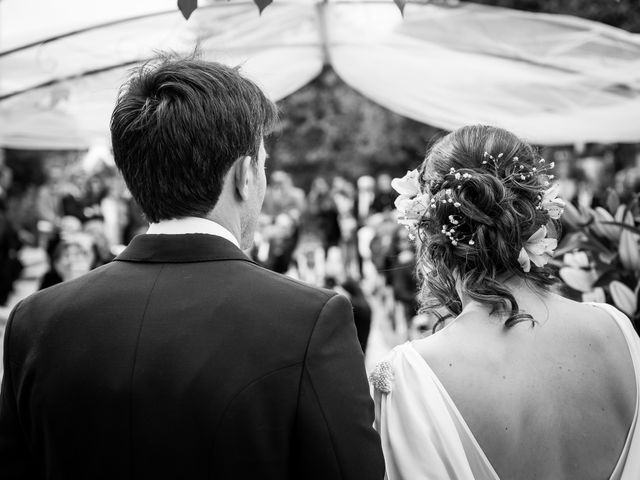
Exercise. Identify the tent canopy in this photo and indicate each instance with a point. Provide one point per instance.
(552, 79)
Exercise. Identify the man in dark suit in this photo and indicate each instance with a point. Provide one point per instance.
(183, 359)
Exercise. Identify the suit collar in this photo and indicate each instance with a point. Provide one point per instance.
(177, 226)
(192, 247)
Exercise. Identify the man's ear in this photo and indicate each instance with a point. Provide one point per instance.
(241, 174)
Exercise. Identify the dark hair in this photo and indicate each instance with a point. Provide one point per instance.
(178, 126)
(495, 199)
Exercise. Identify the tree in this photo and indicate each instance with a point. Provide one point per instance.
(623, 14)
(328, 129)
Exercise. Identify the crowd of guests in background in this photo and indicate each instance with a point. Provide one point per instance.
(81, 219)
(345, 236)
(338, 234)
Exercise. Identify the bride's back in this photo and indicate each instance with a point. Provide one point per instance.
(552, 401)
(555, 400)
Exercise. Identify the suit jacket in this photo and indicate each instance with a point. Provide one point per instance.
(183, 359)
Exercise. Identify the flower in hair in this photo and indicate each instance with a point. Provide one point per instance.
(409, 185)
(537, 249)
(551, 203)
(411, 209)
(411, 204)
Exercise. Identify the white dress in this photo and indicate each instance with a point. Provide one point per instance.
(424, 435)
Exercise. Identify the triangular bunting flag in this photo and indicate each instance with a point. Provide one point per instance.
(187, 7)
(400, 4)
(262, 4)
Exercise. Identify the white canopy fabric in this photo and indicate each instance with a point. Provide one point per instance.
(551, 79)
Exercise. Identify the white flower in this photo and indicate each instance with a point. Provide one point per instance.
(551, 203)
(403, 203)
(537, 249)
(412, 208)
(411, 204)
(410, 223)
(409, 185)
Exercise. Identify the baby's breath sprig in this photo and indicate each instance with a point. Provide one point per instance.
(454, 235)
(520, 171)
(487, 156)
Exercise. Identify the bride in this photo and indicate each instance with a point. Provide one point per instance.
(523, 383)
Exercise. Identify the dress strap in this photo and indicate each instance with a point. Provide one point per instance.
(478, 461)
(628, 466)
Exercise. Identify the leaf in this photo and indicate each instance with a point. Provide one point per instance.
(602, 224)
(262, 4)
(570, 242)
(596, 295)
(624, 226)
(613, 200)
(578, 279)
(573, 218)
(187, 7)
(620, 212)
(623, 297)
(628, 250)
(400, 4)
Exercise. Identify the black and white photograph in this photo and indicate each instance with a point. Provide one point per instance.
(320, 239)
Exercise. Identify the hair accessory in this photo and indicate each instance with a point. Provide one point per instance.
(487, 156)
(520, 171)
(411, 203)
(451, 231)
(459, 176)
(550, 202)
(537, 249)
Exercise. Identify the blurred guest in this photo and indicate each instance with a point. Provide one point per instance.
(72, 257)
(339, 281)
(321, 215)
(10, 264)
(384, 195)
(94, 191)
(282, 243)
(344, 196)
(283, 196)
(114, 209)
(48, 204)
(71, 194)
(403, 281)
(366, 194)
(381, 245)
(361, 310)
(103, 250)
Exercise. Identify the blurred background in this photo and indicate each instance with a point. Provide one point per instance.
(363, 88)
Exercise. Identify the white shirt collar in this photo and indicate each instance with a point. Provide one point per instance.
(179, 226)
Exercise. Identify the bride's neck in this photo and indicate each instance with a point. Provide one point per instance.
(530, 299)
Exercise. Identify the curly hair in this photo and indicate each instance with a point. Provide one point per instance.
(494, 203)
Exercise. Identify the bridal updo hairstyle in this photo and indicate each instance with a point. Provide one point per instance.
(494, 209)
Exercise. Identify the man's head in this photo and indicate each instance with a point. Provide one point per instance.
(180, 128)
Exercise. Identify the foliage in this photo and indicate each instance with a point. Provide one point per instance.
(623, 14)
(601, 254)
(328, 129)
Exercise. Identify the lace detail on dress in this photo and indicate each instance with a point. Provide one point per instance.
(382, 377)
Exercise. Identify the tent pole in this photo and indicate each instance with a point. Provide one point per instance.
(324, 32)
